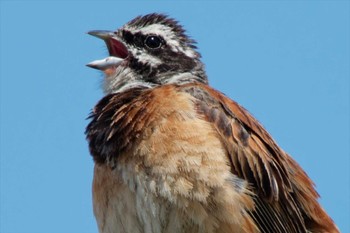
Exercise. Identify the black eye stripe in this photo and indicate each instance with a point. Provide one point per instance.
(128, 37)
(138, 39)
(133, 39)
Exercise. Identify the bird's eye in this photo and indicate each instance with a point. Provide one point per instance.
(153, 42)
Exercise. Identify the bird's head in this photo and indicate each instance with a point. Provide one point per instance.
(148, 51)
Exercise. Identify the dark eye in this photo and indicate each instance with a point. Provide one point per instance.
(153, 42)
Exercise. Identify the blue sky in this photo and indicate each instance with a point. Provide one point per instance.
(287, 62)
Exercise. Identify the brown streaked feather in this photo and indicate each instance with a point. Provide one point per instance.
(102, 132)
(286, 200)
(176, 153)
(281, 197)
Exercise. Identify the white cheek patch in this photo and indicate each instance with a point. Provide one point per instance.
(144, 57)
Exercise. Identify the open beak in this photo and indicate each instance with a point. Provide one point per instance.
(117, 51)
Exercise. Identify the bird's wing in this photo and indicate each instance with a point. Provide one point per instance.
(285, 198)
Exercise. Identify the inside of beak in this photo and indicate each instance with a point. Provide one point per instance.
(117, 50)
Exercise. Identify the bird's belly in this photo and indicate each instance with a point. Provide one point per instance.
(135, 206)
(132, 207)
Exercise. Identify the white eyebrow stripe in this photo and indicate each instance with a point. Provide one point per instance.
(168, 35)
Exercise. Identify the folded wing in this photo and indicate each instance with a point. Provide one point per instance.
(285, 198)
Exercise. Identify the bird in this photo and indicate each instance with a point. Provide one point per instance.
(172, 154)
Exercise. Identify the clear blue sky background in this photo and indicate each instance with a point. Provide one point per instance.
(287, 62)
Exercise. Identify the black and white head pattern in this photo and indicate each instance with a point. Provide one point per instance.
(158, 52)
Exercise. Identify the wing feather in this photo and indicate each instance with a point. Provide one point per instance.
(285, 198)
